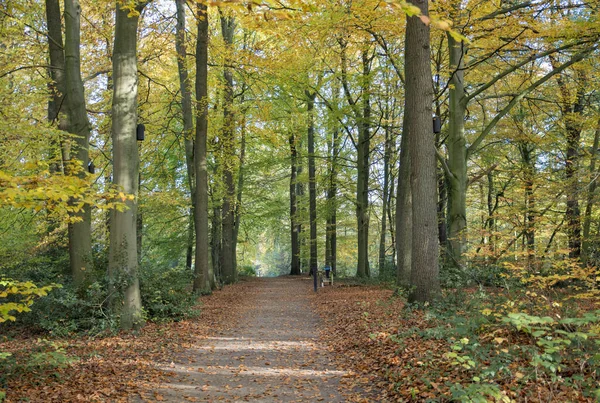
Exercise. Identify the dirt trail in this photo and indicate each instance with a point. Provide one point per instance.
(270, 355)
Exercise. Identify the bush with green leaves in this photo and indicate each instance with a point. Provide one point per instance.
(167, 293)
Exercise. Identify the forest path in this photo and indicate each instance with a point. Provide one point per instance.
(271, 353)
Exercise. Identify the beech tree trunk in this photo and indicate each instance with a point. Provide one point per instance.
(80, 230)
(362, 182)
(457, 155)
(228, 138)
(239, 190)
(203, 281)
(295, 241)
(421, 143)
(312, 182)
(331, 225)
(188, 122)
(591, 198)
(123, 259)
(57, 86)
(384, 208)
(528, 160)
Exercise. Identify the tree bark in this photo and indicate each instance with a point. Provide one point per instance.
(228, 137)
(239, 190)
(526, 151)
(331, 225)
(80, 225)
(123, 259)
(202, 278)
(362, 182)
(404, 215)
(421, 143)
(57, 86)
(312, 182)
(591, 196)
(384, 207)
(295, 241)
(457, 155)
(188, 122)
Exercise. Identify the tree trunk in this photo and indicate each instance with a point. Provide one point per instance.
(404, 215)
(591, 195)
(331, 229)
(295, 241)
(384, 207)
(80, 226)
(457, 155)
(188, 122)
(123, 260)
(57, 86)
(526, 151)
(421, 143)
(362, 182)
(228, 138)
(312, 182)
(573, 214)
(202, 279)
(240, 188)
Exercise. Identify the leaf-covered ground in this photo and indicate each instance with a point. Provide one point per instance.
(411, 355)
(274, 340)
(111, 368)
(254, 341)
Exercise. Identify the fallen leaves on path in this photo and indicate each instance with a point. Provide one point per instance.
(117, 367)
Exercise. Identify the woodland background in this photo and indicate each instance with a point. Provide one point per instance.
(276, 140)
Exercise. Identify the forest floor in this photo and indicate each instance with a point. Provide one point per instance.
(275, 340)
(257, 340)
(269, 352)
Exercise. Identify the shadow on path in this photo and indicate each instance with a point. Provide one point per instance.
(270, 355)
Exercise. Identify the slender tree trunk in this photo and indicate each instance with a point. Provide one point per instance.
(188, 122)
(123, 260)
(202, 278)
(331, 229)
(573, 213)
(240, 188)
(301, 210)
(526, 151)
(228, 137)
(312, 182)
(362, 183)
(216, 246)
(404, 214)
(295, 241)
(384, 207)
(457, 155)
(421, 143)
(591, 196)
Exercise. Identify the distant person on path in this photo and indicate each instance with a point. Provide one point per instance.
(327, 270)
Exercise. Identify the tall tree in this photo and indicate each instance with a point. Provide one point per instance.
(362, 115)
(202, 277)
(312, 182)
(331, 222)
(295, 240)
(228, 137)
(80, 227)
(188, 123)
(123, 259)
(421, 144)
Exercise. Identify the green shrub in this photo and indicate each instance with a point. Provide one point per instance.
(167, 293)
(247, 270)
